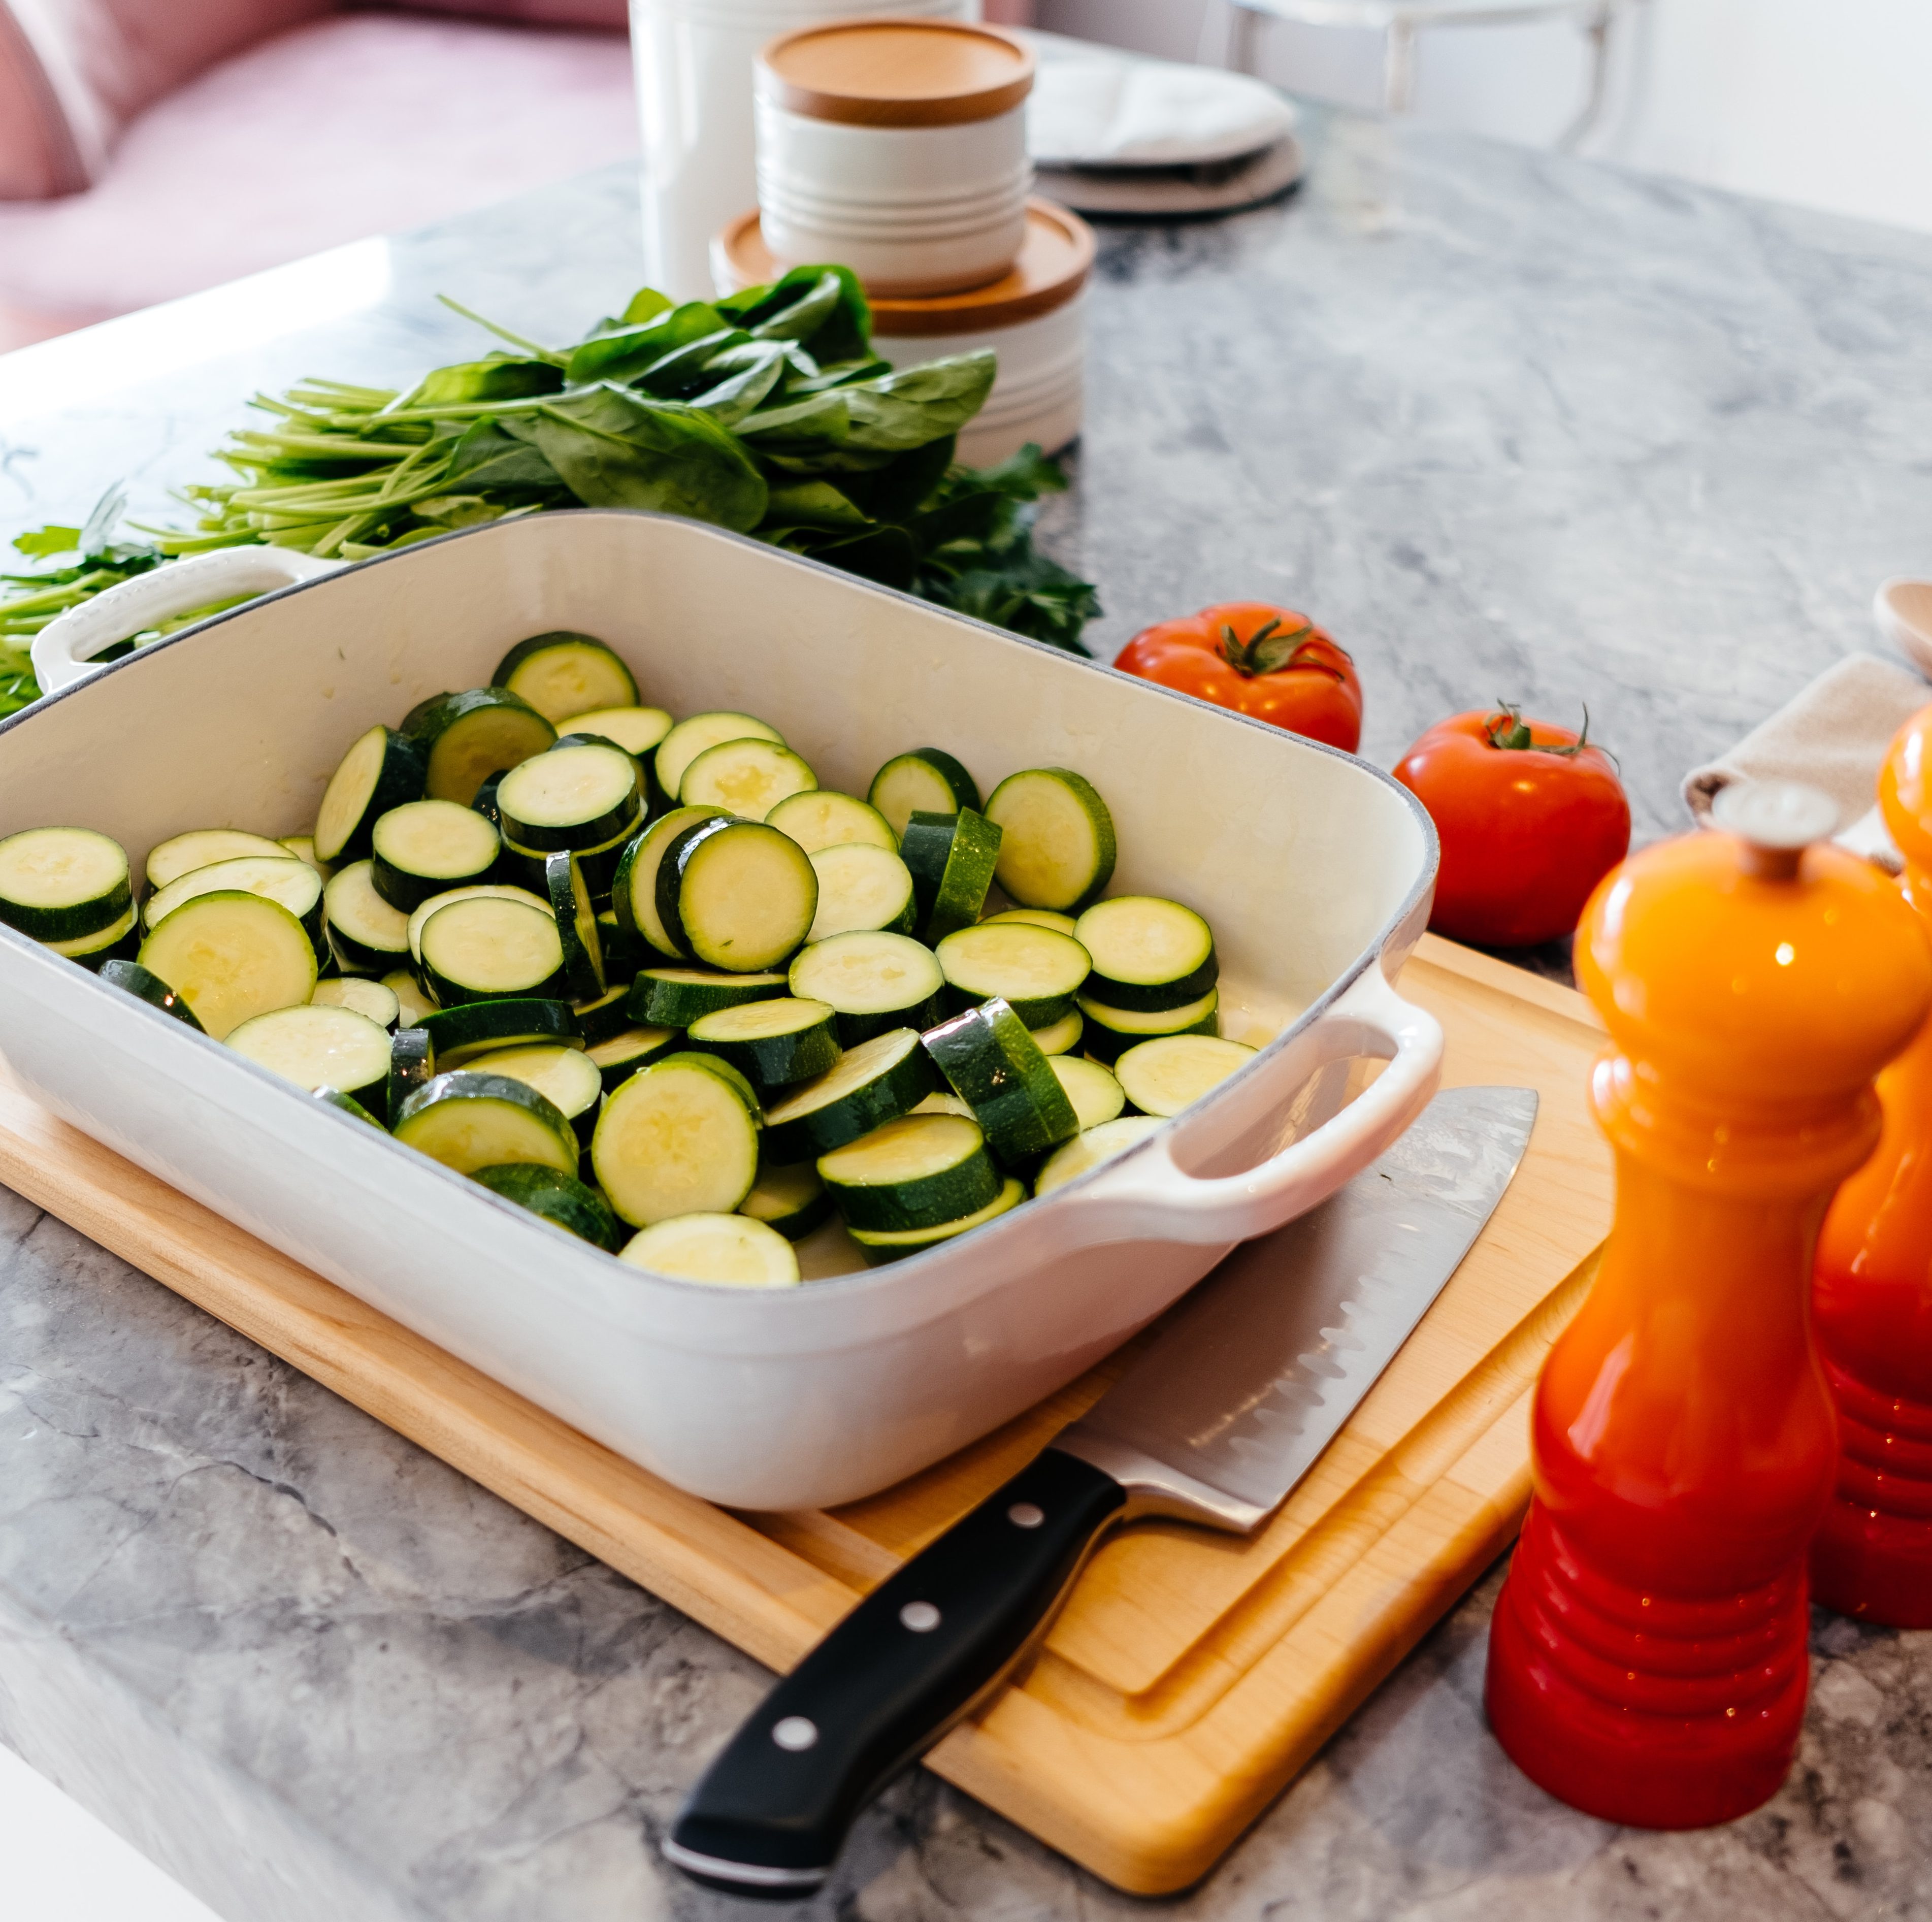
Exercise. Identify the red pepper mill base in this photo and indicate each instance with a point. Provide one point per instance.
(1647, 1660)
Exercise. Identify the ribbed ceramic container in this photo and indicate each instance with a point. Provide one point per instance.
(897, 148)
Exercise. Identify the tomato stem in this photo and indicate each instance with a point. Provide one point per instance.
(1268, 651)
(1508, 731)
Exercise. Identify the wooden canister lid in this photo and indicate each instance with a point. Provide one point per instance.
(874, 73)
(1054, 260)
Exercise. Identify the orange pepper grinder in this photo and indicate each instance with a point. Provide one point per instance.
(1872, 1294)
(1647, 1659)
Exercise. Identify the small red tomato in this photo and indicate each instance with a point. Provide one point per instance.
(1267, 662)
(1531, 818)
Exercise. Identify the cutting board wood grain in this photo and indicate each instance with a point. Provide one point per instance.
(1191, 1674)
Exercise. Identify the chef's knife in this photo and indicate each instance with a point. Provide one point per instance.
(1215, 1423)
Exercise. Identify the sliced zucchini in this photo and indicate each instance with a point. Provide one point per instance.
(1110, 1032)
(562, 1200)
(749, 777)
(412, 1065)
(598, 1020)
(875, 981)
(488, 891)
(791, 1202)
(882, 1245)
(570, 797)
(489, 950)
(231, 956)
(468, 1120)
(1097, 1096)
(1057, 848)
(373, 1000)
(678, 1137)
(691, 738)
(599, 865)
(132, 978)
(122, 941)
(1039, 917)
(294, 884)
(368, 936)
(471, 735)
(638, 731)
(1061, 1037)
(576, 919)
(623, 1054)
(728, 1250)
(425, 848)
(947, 1104)
(736, 894)
(868, 1085)
(1161, 1077)
(926, 781)
(566, 1075)
(1088, 1150)
(411, 1004)
(562, 675)
(952, 857)
(771, 1043)
(1035, 970)
(624, 954)
(992, 1063)
(302, 846)
(676, 997)
(460, 1033)
(914, 1172)
(823, 818)
(1148, 954)
(63, 883)
(484, 801)
(319, 1046)
(861, 889)
(383, 770)
(334, 1097)
(201, 847)
(634, 894)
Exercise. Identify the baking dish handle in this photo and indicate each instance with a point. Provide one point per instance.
(65, 649)
(1149, 1197)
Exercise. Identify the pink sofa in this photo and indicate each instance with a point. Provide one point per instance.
(152, 148)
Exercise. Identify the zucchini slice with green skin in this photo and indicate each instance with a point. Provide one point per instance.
(132, 978)
(737, 894)
(368, 936)
(880, 1246)
(624, 953)
(1162, 1077)
(1057, 848)
(952, 857)
(748, 777)
(623, 1054)
(676, 997)
(487, 891)
(1088, 1150)
(917, 1172)
(460, 1033)
(638, 731)
(562, 1200)
(1039, 917)
(485, 950)
(334, 1097)
(231, 956)
(947, 1104)
(1097, 1097)
(294, 884)
(993, 1064)
(727, 1251)
(120, 942)
(470, 735)
(691, 737)
(823, 818)
(373, 1000)
(1110, 1032)
(875, 981)
(319, 1046)
(202, 847)
(576, 918)
(1061, 1037)
(484, 801)
(570, 797)
(868, 1085)
(382, 770)
(861, 889)
(411, 1004)
(926, 781)
(1149, 955)
(302, 846)
(428, 847)
(791, 1201)
(609, 1014)
(773, 1044)
(633, 894)
(526, 866)
(567, 1076)
(678, 1137)
(1035, 970)
(63, 883)
(468, 1121)
(411, 1065)
(562, 674)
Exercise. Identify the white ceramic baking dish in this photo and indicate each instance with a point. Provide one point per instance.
(1315, 870)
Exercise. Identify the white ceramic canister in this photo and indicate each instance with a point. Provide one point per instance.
(694, 60)
(898, 149)
(1034, 320)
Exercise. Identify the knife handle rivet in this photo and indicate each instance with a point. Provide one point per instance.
(922, 1618)
(1026, 1515)
(796, 1732)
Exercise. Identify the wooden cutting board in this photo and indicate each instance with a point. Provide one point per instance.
(1191, 1674)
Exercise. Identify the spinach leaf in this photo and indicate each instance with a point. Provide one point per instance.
(488, 458)
(916, 404)
(634, 349)
(497, 376)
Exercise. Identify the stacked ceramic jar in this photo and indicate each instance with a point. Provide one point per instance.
(898, 148)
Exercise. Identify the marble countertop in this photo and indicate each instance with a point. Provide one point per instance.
(1511, 426)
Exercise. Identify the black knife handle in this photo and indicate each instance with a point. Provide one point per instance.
(880, 1689)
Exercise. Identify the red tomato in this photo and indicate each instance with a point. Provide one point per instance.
(1270, 662)
(1531, 819)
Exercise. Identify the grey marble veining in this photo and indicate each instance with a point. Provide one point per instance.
(1509, 425)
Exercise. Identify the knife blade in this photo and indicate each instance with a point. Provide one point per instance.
(1215, 1423)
